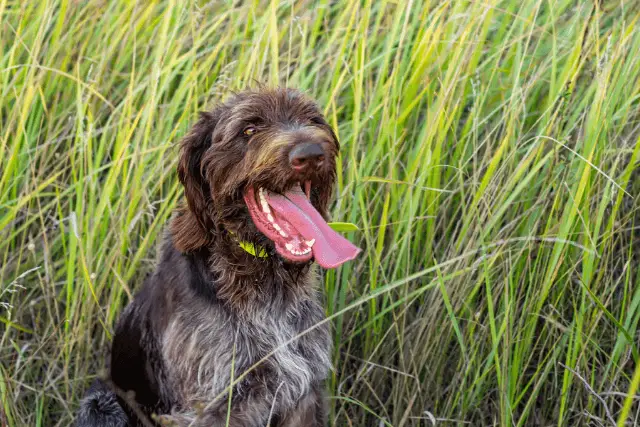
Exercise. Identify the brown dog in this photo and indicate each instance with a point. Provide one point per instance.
(235, 281)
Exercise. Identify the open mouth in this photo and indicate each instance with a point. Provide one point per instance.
(296, 228)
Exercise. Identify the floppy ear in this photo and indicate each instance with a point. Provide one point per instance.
(191, 227)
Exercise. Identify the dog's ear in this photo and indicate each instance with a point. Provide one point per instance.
(191, 227)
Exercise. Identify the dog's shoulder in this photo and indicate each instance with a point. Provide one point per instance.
(182, 274)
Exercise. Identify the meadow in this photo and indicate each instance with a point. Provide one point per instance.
(490, 158)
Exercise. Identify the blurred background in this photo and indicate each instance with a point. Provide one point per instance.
(489, 158)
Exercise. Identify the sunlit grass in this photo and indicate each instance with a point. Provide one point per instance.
(490, 158)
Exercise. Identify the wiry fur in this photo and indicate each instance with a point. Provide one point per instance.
(211, 311)
(101, 407)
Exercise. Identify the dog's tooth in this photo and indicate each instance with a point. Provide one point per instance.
(289, 247)
(270, 217)
(310, 242)
(263, 201)
(280, 230)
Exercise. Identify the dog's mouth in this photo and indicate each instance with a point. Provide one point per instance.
(296, 228)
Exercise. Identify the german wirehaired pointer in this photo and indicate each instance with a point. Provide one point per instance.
(235, 280)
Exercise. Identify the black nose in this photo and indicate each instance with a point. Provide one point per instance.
(306, 156)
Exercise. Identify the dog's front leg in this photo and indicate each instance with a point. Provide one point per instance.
(248, 412)
(310, 411)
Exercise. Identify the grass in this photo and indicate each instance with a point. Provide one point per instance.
(490, 157)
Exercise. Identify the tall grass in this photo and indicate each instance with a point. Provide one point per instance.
(490, 157)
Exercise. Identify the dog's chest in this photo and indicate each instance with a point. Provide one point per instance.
(296, 361)
(200, 350)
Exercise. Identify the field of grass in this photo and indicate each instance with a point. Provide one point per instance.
(491, 158)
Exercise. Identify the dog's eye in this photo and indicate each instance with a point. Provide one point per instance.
(250, 130)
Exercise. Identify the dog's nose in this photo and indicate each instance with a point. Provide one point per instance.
(306, 156)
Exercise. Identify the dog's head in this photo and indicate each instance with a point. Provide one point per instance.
(262, 166)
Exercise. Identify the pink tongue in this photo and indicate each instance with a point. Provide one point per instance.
(330, 249)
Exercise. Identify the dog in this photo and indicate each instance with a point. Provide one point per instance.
(229, 329)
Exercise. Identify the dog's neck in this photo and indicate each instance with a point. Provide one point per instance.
(250, 248)
(249, 285)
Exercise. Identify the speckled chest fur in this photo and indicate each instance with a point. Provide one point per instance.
(200, 346)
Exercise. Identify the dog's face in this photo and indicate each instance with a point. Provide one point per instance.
(262, 166)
